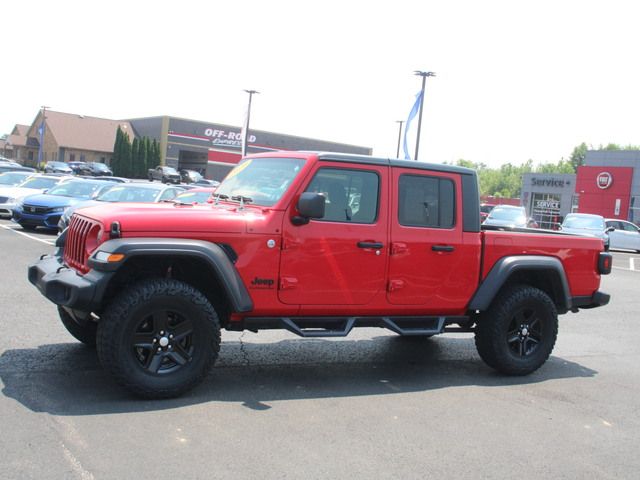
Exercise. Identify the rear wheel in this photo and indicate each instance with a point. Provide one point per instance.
(518, 332)
(85, 333)
(159, 338)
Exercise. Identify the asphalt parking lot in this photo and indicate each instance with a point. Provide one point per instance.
(371, 405)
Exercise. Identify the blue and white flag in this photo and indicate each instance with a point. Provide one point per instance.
(412, 114)
(41, 134)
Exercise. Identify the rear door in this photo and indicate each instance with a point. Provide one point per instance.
(430, 263)
(341, 258)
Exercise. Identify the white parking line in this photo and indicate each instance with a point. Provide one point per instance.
(632, 263)
(12, 229)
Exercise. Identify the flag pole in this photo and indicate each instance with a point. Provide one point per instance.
(424, 76)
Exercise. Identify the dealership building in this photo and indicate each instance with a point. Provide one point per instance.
(213, 148)
(608, 184)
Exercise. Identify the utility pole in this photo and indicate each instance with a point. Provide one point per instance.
(245, 133)
(424, 76)
(399, 137)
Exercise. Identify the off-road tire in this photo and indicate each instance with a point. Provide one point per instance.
(129, 336)
(150, 177)
(518, 332)
(85, 333)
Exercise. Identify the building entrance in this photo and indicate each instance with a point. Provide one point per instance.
(545, 210)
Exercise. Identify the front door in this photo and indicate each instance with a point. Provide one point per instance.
(341, 258)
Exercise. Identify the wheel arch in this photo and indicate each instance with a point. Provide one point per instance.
(209, 267)
(544, 273)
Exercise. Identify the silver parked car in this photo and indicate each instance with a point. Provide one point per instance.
(510, 217)
(625, 235)
(586, 224)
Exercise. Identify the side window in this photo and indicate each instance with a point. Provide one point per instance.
(426, 201)
(628, 227)
(350, 195)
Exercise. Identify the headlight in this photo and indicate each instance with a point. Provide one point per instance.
(57, 209)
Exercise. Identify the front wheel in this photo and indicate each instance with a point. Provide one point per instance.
(159, 338)
(518, 332)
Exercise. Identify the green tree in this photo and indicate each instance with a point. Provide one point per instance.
(135, 157)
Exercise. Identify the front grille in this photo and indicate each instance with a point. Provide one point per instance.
(75, 252)
(35, 209)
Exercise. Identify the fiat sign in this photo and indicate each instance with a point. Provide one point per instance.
(604, 180)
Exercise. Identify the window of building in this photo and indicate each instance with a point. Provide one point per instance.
(82, 157)
(30, 155)
(426, 201)
(350, 195)
(634, 210)
(72, 157)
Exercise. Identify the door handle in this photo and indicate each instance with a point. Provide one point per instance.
(376, 245)
(442, 248)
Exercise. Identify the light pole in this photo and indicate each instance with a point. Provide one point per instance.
(400, 122)
(42, 133)
(245, 133)
(424, 76)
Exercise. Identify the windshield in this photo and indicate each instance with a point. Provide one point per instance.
(192, 197)
(592, 223)
(77, 189)
(515, 215)
(39, 183)
(170, 170)
(128, 194)
(261, 181)
(100, 166)
(12, 178)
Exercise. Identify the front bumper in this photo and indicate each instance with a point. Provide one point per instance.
(598, 299)
(65, 287)
(46, 220)
(6, 209)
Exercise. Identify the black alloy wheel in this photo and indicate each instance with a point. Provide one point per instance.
(517, 333)
(163, 342)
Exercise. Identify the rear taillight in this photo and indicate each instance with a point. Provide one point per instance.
(605, 262)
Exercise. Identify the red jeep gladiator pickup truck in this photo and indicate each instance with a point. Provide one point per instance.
(317, 244)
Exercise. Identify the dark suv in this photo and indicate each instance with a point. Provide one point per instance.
(95, 169)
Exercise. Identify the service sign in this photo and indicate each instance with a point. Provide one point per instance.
(225, 137)
(604, 180)
(548, 204)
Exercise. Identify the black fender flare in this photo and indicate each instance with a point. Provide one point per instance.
(213, 255)
(507, 266)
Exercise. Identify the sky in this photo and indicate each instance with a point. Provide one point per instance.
(515, 80)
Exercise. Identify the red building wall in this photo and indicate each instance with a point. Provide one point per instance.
(604, 191)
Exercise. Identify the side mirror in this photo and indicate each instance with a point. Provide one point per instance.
(310, 205)
(609, 229)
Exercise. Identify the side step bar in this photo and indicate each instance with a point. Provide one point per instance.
(317, 327)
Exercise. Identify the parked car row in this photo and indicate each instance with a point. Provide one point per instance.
(49, 200)
(94, 169)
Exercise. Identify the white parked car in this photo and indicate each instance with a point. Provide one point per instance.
(9, 196)
(625, 235)
(586, 224)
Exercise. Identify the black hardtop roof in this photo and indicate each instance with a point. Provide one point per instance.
(393, 162)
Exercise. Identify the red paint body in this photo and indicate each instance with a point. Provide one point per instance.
(317, 269)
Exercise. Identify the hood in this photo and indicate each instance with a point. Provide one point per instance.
(170, 218)
(503, 223)
(18, 192)
(46, 200)
(588, 232)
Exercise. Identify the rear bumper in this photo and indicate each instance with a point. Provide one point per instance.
(598, 299)
(65, 287)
